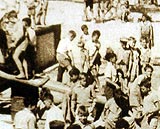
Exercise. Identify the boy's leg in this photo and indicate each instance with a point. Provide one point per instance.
(60, 73)
(25, 66)
(16, 57)
(18, 63)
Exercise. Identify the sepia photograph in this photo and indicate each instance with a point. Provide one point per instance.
(79, 64)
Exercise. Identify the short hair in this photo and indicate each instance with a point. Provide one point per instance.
(83, 27)
(117, 90)
(120, 71)
(74, 126)
(148, 66)
(49, 96)
(147, 17)
(123, 40)
(29, 101)
(27, 20)
(73, 33)
(109, 56)
(96, 32)
(44, 92)
(12, 13)
(132, 38)
(146, 83)
(74, 71)
(122, 123)
(56, 124)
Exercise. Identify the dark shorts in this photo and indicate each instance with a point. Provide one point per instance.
(97, 60)
(89, 3)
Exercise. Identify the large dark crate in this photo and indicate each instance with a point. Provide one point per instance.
(47, 42)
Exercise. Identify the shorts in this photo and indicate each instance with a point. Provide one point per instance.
(63, 60)
(89, 3)
(97, 60)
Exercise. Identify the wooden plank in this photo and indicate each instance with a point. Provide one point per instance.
(32, 82)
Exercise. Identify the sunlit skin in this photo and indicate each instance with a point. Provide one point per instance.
(143, 18)
(85, 31)
(144, 43)
(113, 60)
(74, 78)
(95, 38)
(71, 36)
(145, 90)
(149, 72)
(132, 43)
(83, 81)
(48, 103)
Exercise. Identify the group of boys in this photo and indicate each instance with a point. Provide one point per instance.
(105, 10)
(132, 77)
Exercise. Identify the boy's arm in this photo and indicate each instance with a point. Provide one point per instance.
(105, 111)
(71, 57)
(130, 64)
(151, 35)
(93, 97)
(73, 102)
(32, 123)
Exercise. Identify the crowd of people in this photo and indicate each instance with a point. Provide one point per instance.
(125, 84)
(106, 10)
(130, 101)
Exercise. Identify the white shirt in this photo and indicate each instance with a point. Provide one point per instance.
(110, 71)
(149, 102)
(64, 46)
(85, 37)
(90, 46)
(54, 113)
(25, 119)
(111, 110)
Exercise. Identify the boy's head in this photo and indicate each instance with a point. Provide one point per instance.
(144, 42)
(26, 22)
(30, 103)
(111, 57)
(74, 74)
(126, 4)
(120, 73)
(72, 34)
(123, 42)
(12, 16)
(132, 42)
(43, 92)
(146, 17)
(83, 79)
(84, 28)
(83, 114)
(74, 126)
(56, 124)
(48, 100)
(145, 87)
(117, 93)
(95, 35)
(148, 70)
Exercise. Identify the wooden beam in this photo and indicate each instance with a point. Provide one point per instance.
(33, 82)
